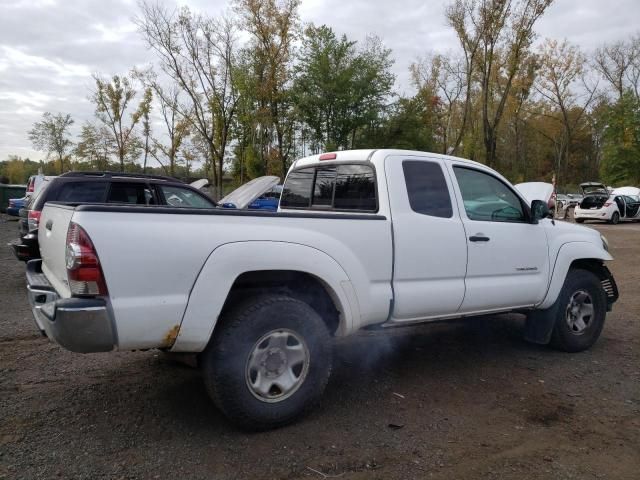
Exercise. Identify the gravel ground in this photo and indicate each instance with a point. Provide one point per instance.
(460, 400)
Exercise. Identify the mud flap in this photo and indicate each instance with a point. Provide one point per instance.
(539, 325)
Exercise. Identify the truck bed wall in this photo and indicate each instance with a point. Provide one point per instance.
(152, 267)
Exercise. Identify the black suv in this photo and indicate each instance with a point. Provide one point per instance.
(102, 187)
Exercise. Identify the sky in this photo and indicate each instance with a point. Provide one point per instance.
(50, 48)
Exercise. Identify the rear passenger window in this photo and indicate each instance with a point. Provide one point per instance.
(342, 187)
(89, 192)
(297, 190)
(135, 193)
(323, 187)
(427, 188)
(355, 188)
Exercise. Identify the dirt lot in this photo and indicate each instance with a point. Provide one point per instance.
(467, 400)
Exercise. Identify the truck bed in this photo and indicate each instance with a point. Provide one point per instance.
(152, 257)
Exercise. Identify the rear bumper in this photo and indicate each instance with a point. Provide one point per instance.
(27, 247)
(596, 214)
(82, 325)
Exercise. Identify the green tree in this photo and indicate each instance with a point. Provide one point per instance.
(621, 150)
(95, 145)
(113, 100)
(146, 126)
(340, 88)
(273, 26)
(408, 125)
(51, 135)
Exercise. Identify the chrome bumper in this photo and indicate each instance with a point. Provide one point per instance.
(81, 325)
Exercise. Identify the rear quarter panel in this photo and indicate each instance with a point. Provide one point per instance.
(152, 261)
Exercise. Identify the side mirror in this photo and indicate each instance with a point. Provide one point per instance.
(539, 210)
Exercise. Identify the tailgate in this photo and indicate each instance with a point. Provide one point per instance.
(52, 237)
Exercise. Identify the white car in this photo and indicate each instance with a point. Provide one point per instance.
(622, 204)
(373, 239)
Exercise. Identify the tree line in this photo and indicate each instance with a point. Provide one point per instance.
(245, 94)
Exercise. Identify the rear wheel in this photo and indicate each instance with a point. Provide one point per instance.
(268, 362)
(581, 312)
(615, 218)
(579, 220)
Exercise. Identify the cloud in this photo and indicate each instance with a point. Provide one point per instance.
(50, 48)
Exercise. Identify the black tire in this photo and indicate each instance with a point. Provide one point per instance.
(226, 360)
(615, 218)
(567, 337)
(579, 220)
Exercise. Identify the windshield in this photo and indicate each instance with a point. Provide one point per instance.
(594, 189)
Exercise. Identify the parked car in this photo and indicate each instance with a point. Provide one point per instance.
(245, 195)
(599, 203)
(268, 200)
(630, 191)
(102, 187)
(569, 200)
(35, 183)
(15, 204)
(370, 239)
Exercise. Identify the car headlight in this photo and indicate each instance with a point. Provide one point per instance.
(605, 242)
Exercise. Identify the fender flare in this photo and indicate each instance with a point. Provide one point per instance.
(230, 260)
(567, 254)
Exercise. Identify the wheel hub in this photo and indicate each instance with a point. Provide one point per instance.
(277, 365)
(274, 362)
(579, 312)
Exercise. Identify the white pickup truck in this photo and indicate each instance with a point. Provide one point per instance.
(361, 239)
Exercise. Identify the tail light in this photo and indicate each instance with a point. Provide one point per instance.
(33, 219)
(607, 204)
(31, 185)
(83, 266)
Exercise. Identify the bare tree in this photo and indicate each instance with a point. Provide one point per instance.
(503, 31)
(562, 66)
(51, 135)
(443, 79)
(198, 53)
(619, 64)
(460, 16)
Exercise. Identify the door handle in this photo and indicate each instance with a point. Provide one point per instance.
(49, 224)
(478, 238)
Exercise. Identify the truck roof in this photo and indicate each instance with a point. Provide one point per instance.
(365, 155)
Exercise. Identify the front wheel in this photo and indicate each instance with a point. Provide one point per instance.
(579, 220)
(268, 362)
(615, 218)
(581, 312)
